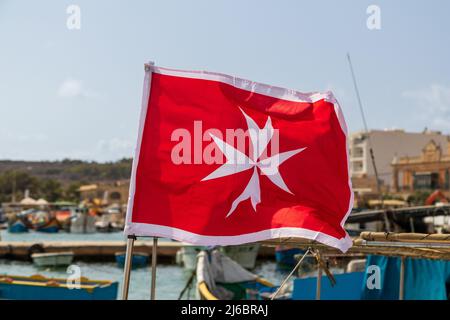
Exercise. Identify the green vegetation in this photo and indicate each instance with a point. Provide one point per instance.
(98, 171)
(18, 181)
(57, 180)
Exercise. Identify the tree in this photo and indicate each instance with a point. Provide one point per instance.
(51, 190)
(72, 193)
(19, 181)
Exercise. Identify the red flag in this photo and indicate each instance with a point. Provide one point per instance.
(222, 160)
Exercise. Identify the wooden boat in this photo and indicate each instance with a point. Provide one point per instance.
(82, 222)
(187, 256)
(18, 227)
(62, 215)
(245, 255)
(43, 288)
(139, 259)
(219, 277)
(52, 226)
(401, 266)
(54, 259)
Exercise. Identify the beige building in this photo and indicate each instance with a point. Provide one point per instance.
(428, 170)
(386, 145)
(112, 192)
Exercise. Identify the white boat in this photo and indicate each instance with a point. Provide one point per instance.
(187, 256)
(245, 255)
(81, 222)
(219, 277)
(54, 259)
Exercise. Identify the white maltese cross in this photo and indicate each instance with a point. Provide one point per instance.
(238, 162)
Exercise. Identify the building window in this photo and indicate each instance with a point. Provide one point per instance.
(426, 181)
(357, 166)
(358, 152)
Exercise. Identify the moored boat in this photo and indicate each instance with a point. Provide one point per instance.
(53, 259)
(17, 227)
(139, 259)
(221, 278)
(52, 226)
(245, 255)
(82, 221)
(187, 256)
(43, 288)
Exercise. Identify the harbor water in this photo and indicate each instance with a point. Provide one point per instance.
(171, 278)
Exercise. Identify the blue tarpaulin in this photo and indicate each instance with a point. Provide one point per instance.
(425, 279)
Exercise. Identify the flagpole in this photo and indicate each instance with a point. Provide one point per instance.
(319, 280)
(154, 258)
(127, 266)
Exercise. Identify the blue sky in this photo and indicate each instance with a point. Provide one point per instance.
(76, 93)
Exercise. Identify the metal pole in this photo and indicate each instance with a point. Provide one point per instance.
(401, 294)
(154, 257)
(127, 266)
(319, 281)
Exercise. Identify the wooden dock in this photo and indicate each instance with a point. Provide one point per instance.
(99, 250)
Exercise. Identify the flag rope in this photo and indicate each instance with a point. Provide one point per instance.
(290, 274)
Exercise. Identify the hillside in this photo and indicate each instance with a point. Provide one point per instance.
(56, 180)
(67, 171)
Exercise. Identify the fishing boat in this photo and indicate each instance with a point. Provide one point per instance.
(51, 226)
(41, 220)
(53, 259)
(244, 255)
(111, 219)
(63, 218)
(423, 279)
(139, 259)
(43, 288)
(379, 265)
(219, 277)
(17, 227)
(347, 286)
(82, 221)
(187, 256)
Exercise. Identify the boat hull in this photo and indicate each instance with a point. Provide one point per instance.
(83, 223)
(18, 227)
(41, 288)
(52, 259)
(245, 254)
(139, 260)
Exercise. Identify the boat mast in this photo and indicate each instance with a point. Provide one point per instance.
(372, 156)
